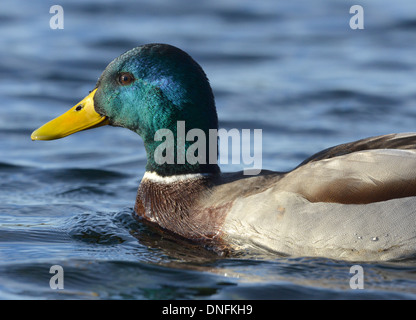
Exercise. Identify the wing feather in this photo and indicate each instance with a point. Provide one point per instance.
(402, 141)
(357, 177)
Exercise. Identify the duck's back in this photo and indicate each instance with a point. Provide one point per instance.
(350, 202)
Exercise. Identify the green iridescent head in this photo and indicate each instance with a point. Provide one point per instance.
(148, 88)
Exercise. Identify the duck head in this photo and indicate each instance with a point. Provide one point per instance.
(148, 88)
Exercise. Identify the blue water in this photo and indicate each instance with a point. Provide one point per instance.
(293, 69)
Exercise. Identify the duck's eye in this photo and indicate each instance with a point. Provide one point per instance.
(125, 78)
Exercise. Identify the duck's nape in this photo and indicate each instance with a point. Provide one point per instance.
(146, 89)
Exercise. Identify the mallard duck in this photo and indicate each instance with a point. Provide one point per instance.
(355, 201)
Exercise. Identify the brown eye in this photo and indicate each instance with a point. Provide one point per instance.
(125, 78)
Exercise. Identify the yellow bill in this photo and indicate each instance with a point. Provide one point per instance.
(81, 117)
